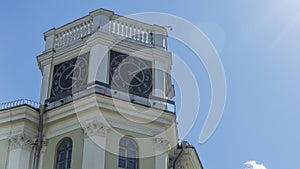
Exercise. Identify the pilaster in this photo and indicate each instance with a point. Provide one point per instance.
(162, 147)
(45, 83)
(159, 83)
(20, 151)
(94, 144)
(159, 37)
(98, 69)
(49, 37)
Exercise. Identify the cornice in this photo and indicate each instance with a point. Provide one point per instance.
(19, 113)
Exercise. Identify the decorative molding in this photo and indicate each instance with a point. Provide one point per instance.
(162, 144)
(181, 165)
(44, 145)
(95, 128)
(21, 142)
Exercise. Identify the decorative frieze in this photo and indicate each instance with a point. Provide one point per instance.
(95, 128)
(21, 142)
(162, 144)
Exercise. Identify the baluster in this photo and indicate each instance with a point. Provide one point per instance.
(121, 29)
(118, 28)
(144, 36)
(76, 33)
(56, 41)
(68, 37)
(90, 27)
(113, 27)
(135, 33)
(140, 35)
(63, 38)
(59, 39)
(109, 27)
(81, 30)
(149, 37)
(124, 30)
(72, 35)
(127, 30)
(130, 32)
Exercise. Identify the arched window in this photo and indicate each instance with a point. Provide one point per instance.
(128, 153)
(64, 154)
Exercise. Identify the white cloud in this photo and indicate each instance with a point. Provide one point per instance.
(254, 165)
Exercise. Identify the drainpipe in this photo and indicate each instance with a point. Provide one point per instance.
(183, 147)
(40, 138)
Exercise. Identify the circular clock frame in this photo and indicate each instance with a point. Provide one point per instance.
(69, 75)
(131, 74)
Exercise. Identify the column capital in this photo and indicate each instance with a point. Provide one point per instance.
(21, 142)
(95, 128)
(162, 144)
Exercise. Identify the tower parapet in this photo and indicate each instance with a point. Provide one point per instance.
(105, 20)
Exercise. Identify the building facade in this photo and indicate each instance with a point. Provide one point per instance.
(105, 101)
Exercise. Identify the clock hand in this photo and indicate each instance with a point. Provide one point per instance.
(135, 71)
(73, 69)
(75, 78)
(139, 79)
(68, 75)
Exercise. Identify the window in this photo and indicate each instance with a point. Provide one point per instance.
(128, 153)
(64, 154)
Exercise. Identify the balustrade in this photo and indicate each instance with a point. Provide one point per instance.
(19, 102)
(72, 34)
(121, 26)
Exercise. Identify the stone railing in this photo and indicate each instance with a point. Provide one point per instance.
(126, 28)
(151, 35)
(70, 33)
(20, 102)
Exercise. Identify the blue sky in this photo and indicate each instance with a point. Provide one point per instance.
(258, 44)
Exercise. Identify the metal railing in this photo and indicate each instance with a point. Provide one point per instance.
(19, 102)
(105, 89)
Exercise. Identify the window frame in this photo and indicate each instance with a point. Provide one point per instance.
(130, 145)
(66, 151)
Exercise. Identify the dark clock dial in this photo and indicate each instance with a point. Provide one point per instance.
(130, 74)
(70, 75)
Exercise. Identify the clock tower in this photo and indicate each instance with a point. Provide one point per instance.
(107, 93)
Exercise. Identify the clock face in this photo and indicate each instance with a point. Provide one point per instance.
(70, 75)
(130, 74)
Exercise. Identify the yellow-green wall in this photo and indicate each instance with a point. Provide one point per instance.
(3, 153)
